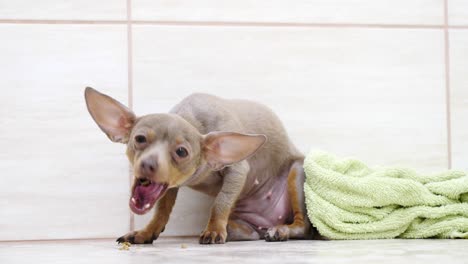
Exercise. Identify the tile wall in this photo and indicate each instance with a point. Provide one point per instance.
(382, 80)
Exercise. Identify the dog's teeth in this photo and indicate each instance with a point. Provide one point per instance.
(256, 182)
(133, 200)
(147, 206)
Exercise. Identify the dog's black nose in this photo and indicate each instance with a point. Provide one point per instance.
(148, 167)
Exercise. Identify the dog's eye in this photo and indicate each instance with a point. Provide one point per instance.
(182, 152)
(140, 139)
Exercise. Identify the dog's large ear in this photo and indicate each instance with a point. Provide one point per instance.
(224, 148)
(114, 118)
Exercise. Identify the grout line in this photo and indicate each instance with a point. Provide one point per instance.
(56, 240)
(130, 89)
(279, 24)
(447, 85)
(220, 23)
(224, 23)
(76, 239)
(66, 240)
(61, 21)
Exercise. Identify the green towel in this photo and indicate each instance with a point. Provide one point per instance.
(346, 199)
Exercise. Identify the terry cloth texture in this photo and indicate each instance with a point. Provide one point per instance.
(346, 199)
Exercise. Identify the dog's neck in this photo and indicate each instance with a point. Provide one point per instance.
(197, 176)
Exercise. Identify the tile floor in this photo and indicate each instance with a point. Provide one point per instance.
(170, 250)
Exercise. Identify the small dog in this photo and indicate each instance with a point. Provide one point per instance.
(234, 150)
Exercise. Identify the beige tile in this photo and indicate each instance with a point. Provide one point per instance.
(189, 216)
(315, 11)
(375, 94)
(458, 12)
(459, 97)
(62, 177)
(64, 9)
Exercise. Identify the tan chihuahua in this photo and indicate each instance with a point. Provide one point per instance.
(234, 150)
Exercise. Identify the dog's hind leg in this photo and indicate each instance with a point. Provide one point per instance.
(239, 230)
(300, 228)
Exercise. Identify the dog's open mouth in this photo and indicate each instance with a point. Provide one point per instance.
(144, 196)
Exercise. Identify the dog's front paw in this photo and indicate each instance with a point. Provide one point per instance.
(138, 237)
(213, 237)
(277, 233)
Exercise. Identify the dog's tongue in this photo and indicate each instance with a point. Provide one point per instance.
(144, 197)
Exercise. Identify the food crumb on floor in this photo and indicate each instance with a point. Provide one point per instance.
(183, 246)
(125, 246)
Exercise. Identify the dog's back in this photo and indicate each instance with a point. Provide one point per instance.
(210, 113)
